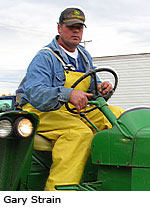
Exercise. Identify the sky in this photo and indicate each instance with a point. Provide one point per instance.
(114, 27)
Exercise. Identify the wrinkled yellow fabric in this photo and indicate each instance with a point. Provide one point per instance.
(72, 137)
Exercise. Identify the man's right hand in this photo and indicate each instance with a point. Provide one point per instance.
(79, 99)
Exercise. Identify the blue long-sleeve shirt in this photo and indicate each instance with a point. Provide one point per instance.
(45, 78)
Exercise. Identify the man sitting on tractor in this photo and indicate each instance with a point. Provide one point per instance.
(48, 86)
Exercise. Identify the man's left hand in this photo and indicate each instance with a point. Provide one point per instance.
(104, 87)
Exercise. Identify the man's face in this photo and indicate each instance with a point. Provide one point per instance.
(70, 35)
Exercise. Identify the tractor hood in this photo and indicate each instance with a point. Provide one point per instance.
(126, 145)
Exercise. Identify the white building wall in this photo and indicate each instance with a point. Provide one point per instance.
(134, 78)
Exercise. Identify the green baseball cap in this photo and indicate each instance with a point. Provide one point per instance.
(72, 16)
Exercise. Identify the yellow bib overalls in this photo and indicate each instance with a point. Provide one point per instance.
(72, 136)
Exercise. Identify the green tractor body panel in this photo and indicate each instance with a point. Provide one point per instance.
(111, 147)
(123, 162)
(106, 145)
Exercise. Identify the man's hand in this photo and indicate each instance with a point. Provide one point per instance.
(104, 87)
(79, 99)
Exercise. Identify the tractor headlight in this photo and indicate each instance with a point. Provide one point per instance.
(5, 128)
(24, 127)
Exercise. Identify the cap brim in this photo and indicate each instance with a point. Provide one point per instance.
(70, 23)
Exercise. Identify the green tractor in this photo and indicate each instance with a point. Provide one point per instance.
(119, 160)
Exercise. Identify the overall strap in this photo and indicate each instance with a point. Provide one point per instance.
(62, 62)
(65, 66)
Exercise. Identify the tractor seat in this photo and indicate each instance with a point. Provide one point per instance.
(42, 144)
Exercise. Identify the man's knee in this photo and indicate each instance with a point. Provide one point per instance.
(86, 133)
(82, 133)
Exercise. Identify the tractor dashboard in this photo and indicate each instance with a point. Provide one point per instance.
(7, 103)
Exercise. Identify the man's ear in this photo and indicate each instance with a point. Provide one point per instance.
(59, 28)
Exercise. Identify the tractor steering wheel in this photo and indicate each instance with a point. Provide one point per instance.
(96, 93)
